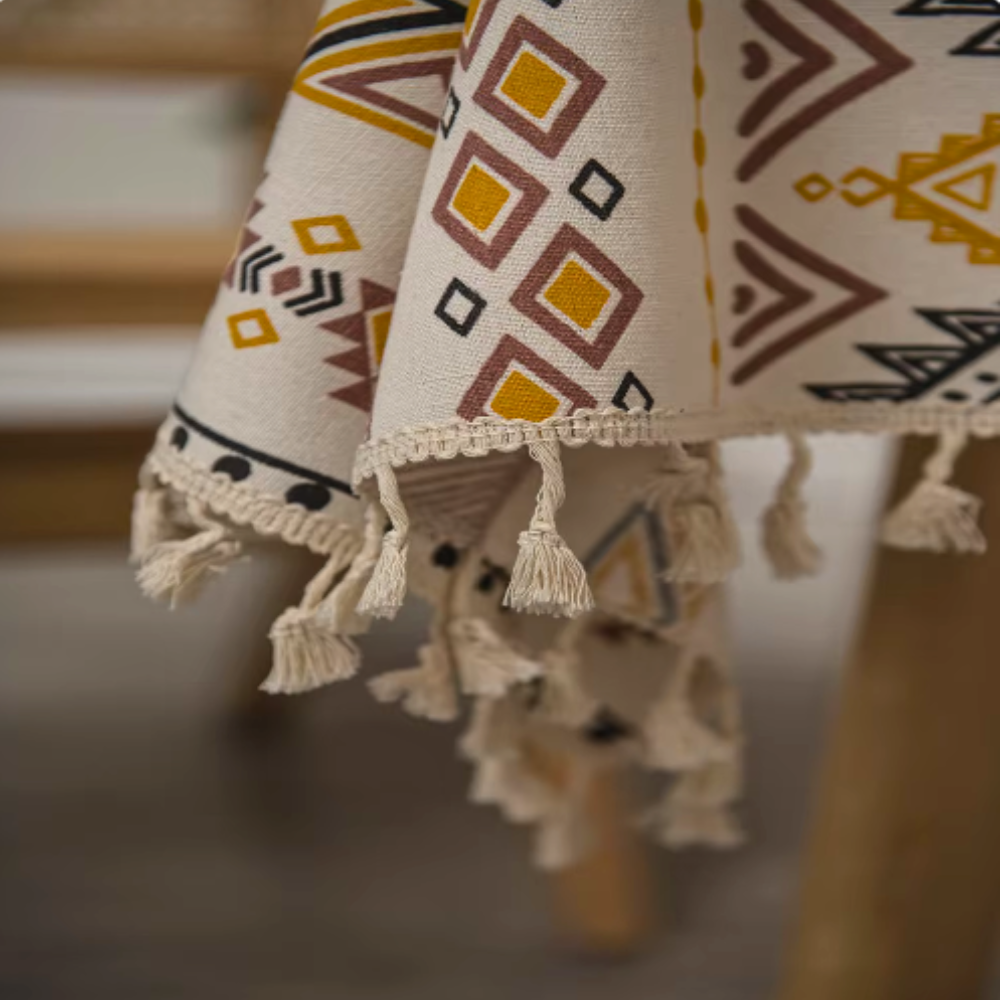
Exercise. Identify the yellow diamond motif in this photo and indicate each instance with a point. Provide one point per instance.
(814, 188)
(345, 240)
(576, 293)
(480, 199)
(534, 85)
(252, 329)
(521, 399)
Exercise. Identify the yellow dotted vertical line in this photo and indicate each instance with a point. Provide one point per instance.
(699, 148)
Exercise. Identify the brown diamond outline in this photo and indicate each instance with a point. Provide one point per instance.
(490, 253)
(592, 84)
(526, 298)
(471, 40)
(511, 349)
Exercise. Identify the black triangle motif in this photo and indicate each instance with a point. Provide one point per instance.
(931, 8)
(922, 366)
(982, 43)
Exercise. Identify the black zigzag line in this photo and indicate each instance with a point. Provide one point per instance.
(946, 8)
(254, 264)
(448, 12)
(320, 297)
(947, 321)
(979, 43)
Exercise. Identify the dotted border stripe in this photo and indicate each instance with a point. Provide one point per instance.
(699, 149)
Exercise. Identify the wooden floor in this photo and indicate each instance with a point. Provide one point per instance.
(150, 849)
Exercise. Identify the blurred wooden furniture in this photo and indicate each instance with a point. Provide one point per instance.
(901, 891)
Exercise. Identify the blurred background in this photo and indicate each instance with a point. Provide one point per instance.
(165, 832)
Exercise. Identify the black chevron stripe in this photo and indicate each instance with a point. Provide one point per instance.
(448, 12)
(257, 262)
(327, 292)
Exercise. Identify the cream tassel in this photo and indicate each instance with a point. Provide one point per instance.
(177, 571)
(698, 811)
(152, 524)
(308, 654)
(427, 691)
(792, 553)
(487, 665)
(386, 590)
(937, 517)
(548, 578)
(339, 612)
(675, 738)
(704, 541)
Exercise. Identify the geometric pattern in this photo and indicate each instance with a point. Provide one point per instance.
(252, 329)
(371, 59)
(477, 21)
(985, 42)
(449, 116)
(487, 202)
(518, 384)
(345, 241)
(538, 88)
(368, 331)
(598, 190)
(787, 318)
(579, 296)
(797, 100)
(246, 240)
(181, 436)
(631, 387)
(944, 368)
(627, 569)
(460, 308)
(954, 190)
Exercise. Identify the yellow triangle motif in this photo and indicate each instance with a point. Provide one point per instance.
(974, 188)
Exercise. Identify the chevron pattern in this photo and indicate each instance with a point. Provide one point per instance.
(924, 368)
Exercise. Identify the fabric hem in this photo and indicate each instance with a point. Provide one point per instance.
(638, 427)
(268, 516)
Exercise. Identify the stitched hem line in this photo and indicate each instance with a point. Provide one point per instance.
(268, 516)
(613, 427)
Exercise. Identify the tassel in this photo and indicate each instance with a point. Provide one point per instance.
(426, 692)
(786, 540)
(505, 783)
(565, 838)
(177, 571)
(308, 654)
(938, 517)
(487, 666)
(677, 741)
(698, 809)
(152, 524)
(338, 613)
(548, 578)
(675, 738)
(386, 589)
(704, 541)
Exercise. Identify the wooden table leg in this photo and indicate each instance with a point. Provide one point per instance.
(605, 904)
(901, 891)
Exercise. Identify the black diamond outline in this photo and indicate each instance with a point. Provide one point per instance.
(577, 190)
(630, 382)
(459, 287)
(452, 107)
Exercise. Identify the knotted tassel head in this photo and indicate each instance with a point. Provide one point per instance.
(177, 571)
(936, 516)
(704, 541)
(547, 577)
(785, 534)
(386, 590)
